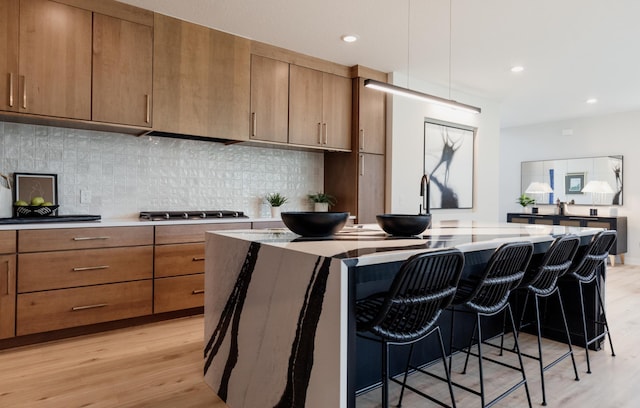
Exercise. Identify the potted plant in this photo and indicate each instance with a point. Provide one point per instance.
(524, 200)
(322, 201)
(275, 200)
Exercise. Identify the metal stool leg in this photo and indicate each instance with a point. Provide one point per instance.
(584, 327)
(566, 330)
(604, 316)
(517, 347)
(385, 374)
(540, 363)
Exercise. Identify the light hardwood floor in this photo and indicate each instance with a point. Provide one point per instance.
(160, 365)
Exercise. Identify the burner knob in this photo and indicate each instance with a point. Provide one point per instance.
(166, 216)
(203, 215)
(185, 216)
(219, 215)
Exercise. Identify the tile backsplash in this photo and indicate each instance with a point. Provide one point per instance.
(125, 174)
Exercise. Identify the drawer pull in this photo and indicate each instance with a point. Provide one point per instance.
(197, 258)
(90, 268)
(76, 308)
(11, 89)
(88, 238)
(197, 291)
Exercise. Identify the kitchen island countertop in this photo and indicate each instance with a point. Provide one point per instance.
(278, 311)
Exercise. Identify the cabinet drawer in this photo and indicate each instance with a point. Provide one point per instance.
(179, 259)
(56, 270)
(179, 292)
(82, 238)
(59, 309)
(7, 242)
(178, 234)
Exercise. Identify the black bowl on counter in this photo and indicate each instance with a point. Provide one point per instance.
(314, 224)
(405, 225)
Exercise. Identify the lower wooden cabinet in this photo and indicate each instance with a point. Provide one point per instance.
(178, 292)
(7, 295)
(59, 309)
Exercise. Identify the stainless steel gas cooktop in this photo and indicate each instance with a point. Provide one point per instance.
(189, 215)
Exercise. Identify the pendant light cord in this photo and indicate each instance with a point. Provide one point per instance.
(450, 41)
(408, 37)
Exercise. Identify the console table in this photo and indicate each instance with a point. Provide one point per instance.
(612, 223)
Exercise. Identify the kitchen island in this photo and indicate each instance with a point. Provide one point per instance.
(279, 328)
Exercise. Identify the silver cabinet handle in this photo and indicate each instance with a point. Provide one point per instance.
(24, 92)
(319, 133)
(147, 118)
(89, 268)
(7, 292)
(197, 291)
(197, 258)
(361, 139)
(11, 89)
(77, 308)
(88, 238)
(254, 124)
(362, 164)
(326, 136)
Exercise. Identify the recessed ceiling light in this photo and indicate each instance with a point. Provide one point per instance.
(517, 68)
(349, 38)
(591, 101)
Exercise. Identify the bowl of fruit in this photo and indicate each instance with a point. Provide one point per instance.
(37, 207)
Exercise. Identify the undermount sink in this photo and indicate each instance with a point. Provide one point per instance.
(404, 224)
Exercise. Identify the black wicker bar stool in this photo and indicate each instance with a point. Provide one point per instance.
(588, 269)
(488, 295)
(542, 282)
(408, 312)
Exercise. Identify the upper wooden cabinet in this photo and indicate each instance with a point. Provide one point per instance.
(201, 81)
(9, 31)
(54, 60)
(122, 71)
(370, 126)
(269, 99)
(319, 109)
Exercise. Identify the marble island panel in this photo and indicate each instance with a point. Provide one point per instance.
(277, 326)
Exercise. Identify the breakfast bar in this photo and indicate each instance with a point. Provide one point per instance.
(279, 327)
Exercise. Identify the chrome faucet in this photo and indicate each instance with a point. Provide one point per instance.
(425, 188)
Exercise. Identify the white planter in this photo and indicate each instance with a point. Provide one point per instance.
(275, 212)
(321, 207)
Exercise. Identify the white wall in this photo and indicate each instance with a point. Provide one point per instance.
(128, 174)
(615, 134)
(406, 144)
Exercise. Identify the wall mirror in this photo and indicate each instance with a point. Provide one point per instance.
(586, 181)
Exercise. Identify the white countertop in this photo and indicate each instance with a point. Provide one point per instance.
(370, 245)
(127, 222)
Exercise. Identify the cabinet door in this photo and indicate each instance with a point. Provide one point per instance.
(269, 99)
(201, 80)
(336, 108)
(9, 55)
(370, 187)
(7, 296)
(305, 106)
(55, 59)
(122, 71)
(371, 119)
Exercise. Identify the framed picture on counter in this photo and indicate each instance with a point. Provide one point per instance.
(28, 186)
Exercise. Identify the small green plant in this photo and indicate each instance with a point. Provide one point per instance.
(275, 199)
(322, 198)
(524, 200)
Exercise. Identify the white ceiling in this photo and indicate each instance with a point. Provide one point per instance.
(571, 49)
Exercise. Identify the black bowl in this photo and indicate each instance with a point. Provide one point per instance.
(314, 224)
(404, 224)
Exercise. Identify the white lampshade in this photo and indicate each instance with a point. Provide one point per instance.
(538, 187)
(595, 186)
